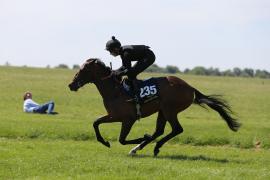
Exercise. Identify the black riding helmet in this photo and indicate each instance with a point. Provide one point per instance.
(113, 43)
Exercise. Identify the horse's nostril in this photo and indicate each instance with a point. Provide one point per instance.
(71, 87)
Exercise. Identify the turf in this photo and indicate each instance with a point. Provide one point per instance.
(64, 146)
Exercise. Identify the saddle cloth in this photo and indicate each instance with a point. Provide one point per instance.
(147, 90)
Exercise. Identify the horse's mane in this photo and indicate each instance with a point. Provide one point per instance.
(107, 69)
(99, 62)
(92, 59)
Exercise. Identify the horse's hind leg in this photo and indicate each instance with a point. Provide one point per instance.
(160, 126)
(176, 129)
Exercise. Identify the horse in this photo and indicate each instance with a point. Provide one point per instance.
(175, 95)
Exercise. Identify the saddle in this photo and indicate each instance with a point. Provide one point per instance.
(147, 90)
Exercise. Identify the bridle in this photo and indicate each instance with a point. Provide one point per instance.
(80, 84)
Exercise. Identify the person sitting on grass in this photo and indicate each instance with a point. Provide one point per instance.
(31, 106)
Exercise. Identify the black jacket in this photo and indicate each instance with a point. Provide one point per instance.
(132, 53)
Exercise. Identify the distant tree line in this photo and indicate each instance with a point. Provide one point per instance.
(199, 70)
(64, 66)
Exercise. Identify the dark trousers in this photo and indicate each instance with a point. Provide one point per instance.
(45, 107)
(141, 65)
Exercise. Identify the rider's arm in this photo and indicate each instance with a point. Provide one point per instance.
(126, 65)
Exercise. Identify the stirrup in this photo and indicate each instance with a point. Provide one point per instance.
(139, 114)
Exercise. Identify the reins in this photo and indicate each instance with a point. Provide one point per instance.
(107, 77)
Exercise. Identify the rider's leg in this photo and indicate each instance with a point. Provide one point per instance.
(140, 66)
(132, 74)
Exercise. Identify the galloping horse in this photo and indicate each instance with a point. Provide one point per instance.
(175, 95)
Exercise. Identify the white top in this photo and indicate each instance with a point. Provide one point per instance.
(29, 105)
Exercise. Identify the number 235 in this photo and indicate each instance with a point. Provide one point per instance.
(147, 90)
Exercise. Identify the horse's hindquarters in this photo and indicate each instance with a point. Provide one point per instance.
(175, 94)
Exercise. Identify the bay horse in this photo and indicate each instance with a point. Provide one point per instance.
(175, 95)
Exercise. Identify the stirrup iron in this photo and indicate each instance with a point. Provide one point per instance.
(138, 108)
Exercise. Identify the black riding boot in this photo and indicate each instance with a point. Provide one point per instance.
(132, 86)
(135, 89)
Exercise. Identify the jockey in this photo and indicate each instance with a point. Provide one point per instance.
(140, 53)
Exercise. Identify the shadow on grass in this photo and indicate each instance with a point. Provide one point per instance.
(185, 158)
(193, 158)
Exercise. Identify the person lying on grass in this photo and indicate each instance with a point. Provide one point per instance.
(31, 106)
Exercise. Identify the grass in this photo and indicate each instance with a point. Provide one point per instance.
(41, 159)
(64, 146)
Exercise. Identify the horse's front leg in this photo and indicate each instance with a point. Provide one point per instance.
(104, 119)
(125, 129)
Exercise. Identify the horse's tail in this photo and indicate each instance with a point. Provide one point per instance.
(218, 104)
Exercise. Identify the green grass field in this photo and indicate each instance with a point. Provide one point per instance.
(64, 146)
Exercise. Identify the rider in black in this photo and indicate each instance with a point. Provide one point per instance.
(140, 53)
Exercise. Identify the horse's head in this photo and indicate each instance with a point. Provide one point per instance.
(91, 71)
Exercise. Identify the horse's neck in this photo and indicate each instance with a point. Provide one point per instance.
(107, 88)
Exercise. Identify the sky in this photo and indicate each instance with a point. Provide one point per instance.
(185, 33)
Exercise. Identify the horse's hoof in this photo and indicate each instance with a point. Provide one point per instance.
(156, 151)
(107, 144)
(147, 137)
(132, 153)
